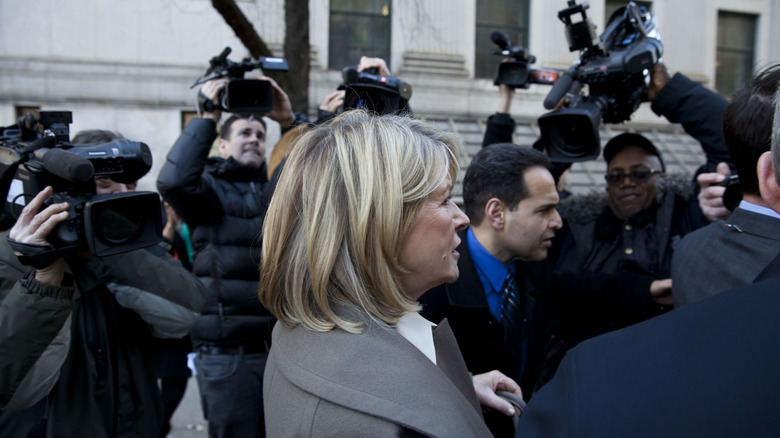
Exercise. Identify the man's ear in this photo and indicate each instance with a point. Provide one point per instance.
(767, 184)
(222, 145)
(495, 210)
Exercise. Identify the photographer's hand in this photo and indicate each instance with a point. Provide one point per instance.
(658, 79)
(212, 90)
(32, 227)
(378, 63)
(281, 111)
(333, 101)
(711, 195)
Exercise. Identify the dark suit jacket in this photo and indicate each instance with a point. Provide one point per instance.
(723, 255)
(711, 369)
(375, 383)
(544, 295)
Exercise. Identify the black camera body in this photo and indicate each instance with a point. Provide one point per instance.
(616, 68)
(36, 153)
(518, 73)
(378, 93)
(244, 96)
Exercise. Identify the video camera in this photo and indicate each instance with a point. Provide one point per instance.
(616, 67)
(245, 96)
(517, 73)
(378, 93)
(36, 153)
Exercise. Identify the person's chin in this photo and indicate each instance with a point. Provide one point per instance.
(252, 162)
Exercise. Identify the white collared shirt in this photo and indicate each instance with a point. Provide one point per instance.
(418, 331)
(758, 209)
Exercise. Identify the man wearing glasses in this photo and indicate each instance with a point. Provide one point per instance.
(636, 225)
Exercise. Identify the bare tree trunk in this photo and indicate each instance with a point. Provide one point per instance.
(296, 88)
(296, 50)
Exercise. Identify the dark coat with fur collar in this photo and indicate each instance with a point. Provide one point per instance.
(594, 239)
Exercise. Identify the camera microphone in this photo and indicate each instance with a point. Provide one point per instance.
(500, 39)
(65, 165)
(350, 75)
(560, 88)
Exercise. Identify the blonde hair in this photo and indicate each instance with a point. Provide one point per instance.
(348, 194)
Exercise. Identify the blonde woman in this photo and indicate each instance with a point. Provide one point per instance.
(360, 226)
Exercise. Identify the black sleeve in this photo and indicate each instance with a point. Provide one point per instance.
(700, 111)
(500, 128)
(181, 181)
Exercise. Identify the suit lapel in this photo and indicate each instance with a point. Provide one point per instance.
(379, 373)
(450, 361)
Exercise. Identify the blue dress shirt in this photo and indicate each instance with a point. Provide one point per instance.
(491, 272)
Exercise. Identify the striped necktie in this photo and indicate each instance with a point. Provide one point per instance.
(511, 319)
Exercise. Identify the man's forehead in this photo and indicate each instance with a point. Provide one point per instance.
(241, 124)
(633, 156)
(541, 185)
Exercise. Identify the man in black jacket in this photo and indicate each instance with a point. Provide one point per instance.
(501, 304)
(635, 224)
(222, 201)
(77, 339)
(707, 369)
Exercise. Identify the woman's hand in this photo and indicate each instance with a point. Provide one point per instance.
(487, 384)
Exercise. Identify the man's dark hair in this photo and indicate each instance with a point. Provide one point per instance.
(497, 172)
(96, 136)
(747, 125)
(224, 131)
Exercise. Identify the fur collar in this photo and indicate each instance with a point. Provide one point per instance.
(586, 207)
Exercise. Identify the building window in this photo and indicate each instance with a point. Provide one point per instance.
(186, 116)
(21, 110)
(507, 16)
(358, 28)
(735, 52)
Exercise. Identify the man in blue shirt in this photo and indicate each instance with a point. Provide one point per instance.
(500, 307)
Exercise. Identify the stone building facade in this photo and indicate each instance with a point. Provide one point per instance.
(128, 66)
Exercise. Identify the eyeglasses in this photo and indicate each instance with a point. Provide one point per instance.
(637, 176)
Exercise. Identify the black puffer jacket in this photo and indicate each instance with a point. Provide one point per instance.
(221, 202)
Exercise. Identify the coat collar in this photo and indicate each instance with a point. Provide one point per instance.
(232, 170)
(380, 373)
(754, 223)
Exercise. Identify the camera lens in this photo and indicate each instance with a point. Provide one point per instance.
(120, 222)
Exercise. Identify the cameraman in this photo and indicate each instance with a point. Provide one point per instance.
(634, 225)
(79, 332)
(222, 201)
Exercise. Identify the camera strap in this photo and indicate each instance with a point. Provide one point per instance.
(38, 256)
